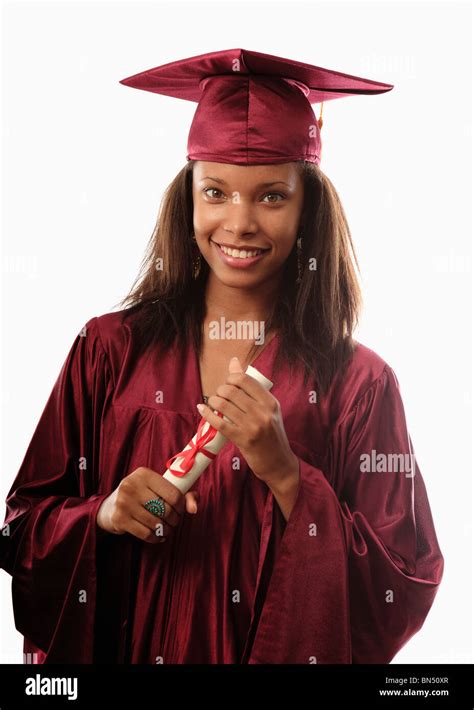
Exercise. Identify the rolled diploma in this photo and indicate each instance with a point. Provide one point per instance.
(184, 483)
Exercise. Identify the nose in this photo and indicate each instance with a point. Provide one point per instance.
(239, 219)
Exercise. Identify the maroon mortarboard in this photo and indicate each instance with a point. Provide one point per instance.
(253, 108)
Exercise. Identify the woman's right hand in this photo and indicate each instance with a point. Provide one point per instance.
(123, 510)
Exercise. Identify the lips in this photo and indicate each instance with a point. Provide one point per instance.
(238, 262)
(241, 248)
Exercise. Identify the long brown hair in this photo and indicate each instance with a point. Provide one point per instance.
(314, 317)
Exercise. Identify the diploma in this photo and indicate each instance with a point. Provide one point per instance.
(185, 467)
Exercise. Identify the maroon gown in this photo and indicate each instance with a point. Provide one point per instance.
(349, 578)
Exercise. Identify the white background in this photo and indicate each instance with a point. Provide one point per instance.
(86, 160)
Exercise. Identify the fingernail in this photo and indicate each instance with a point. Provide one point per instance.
(200, 407)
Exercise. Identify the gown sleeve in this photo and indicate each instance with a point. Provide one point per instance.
(50, 532)
(359, 563)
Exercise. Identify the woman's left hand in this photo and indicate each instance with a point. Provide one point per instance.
(255, 426)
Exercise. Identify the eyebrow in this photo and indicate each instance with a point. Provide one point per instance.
(262, 184)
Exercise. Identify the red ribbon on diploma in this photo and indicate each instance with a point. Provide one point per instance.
(189, 455)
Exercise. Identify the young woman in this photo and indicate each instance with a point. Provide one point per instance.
(309, 538)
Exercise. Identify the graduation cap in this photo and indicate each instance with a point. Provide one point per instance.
(252, 108)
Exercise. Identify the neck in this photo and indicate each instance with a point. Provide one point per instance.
(238, 303)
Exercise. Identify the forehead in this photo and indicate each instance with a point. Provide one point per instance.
(246, 175)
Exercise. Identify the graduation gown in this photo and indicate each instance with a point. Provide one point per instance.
(349, 578)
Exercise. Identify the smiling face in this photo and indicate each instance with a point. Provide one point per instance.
(245, 209)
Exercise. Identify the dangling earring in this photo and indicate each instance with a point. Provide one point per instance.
(299, 259)
(197, 266)
(197, 261)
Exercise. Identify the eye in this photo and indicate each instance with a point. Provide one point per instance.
(275, 194)
(213, 189)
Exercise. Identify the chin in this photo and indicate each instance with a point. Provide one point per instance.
(236, 279)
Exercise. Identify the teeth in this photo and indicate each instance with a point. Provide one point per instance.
(240, 254)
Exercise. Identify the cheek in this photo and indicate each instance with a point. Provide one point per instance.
(203, 215)
(286, 245)
(282, 223)
(283, 232)
(203, 221)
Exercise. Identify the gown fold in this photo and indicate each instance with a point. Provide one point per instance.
(348, 578)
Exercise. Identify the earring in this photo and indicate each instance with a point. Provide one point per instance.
(197, 266)
(197, 261)
(299, 259)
